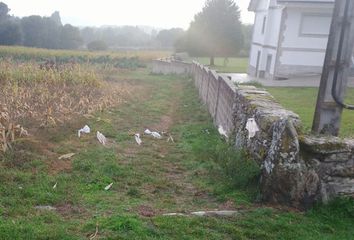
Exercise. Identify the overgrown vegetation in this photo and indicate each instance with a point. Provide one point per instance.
(41, 88)
(21, 54)
(198, 171)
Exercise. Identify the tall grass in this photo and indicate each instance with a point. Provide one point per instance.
(35, 96)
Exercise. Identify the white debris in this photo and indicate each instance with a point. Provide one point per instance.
(66, 156)
(215, 213)
(170, 138)
(138, 139)
(154, 134)
(222, 132)
(55, 185)
(45, 208)
(252, 128)
(225, 213)
(101, 138)
(147, 132)
(85, 129)
(108, 187)
(174, 214)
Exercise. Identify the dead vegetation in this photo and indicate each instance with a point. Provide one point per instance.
(33, 96)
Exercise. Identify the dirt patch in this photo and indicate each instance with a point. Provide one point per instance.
(228, 205)
(146, 211)
(68, 210)
(165, 124)
(57, 166)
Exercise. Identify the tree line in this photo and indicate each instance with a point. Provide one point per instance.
(216, 32)
(37, 31)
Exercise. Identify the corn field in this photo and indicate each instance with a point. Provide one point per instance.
(36, 95)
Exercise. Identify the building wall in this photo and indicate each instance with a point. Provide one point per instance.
(304, 40)
(265, 41)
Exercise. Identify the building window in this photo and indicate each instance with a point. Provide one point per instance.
(264, 24)
(315, 25)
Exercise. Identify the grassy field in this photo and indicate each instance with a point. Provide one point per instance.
(31, 54)
(303, 101)
(235, 65)
(148, 181)
(44, 197)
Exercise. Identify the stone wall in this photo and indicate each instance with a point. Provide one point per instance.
(297, 169)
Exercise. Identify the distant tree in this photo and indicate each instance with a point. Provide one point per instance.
(168, 38)
(88, 34)
(4, 11)
(215, 32)
(247, 30)
(33, 31)
(51, 33)
(70, 37)
(56, 18)
(10, 33)
(98, 45)
(42, 32)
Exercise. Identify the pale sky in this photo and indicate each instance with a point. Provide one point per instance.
(156, 13)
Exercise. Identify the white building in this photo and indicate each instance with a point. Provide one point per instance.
(290, 37)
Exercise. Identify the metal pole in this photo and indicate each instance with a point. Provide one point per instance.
(334, 80)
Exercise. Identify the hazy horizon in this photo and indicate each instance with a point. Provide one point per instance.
(161, 14)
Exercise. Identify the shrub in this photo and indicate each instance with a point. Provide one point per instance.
(97, 46)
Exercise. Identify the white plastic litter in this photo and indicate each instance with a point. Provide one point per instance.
(222, 131)
(66, 156)
(85, 129)
(154, 134)
(108, 187)
(138, 139)
(101, 138)
(55, 185)
(252, 128)
(147, 132)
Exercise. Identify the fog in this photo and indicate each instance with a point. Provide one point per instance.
(156, 13)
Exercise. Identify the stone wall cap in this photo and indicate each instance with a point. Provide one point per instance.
(326, 144)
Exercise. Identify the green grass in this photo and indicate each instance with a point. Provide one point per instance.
(160, 176)
(235, 65)
(24, 54)
(303, 101)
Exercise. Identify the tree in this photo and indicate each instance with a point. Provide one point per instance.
(70, 37)
(215, 32)
(97, 46)
(168, 38)
(56, 18)
(4, 11)
(32, 28)
(88, 34)
(247, 30)
(10, 33)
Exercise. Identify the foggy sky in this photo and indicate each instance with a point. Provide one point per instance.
(156, 13)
